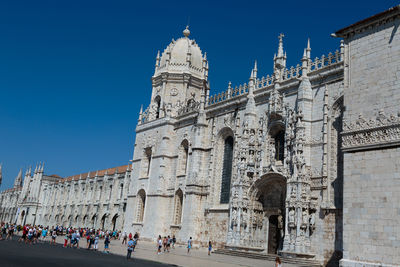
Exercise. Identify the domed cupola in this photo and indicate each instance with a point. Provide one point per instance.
(180, 77)
(182, 55)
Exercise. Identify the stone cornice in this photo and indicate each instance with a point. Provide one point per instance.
(362, 134)
(155, 124)
(369, 23)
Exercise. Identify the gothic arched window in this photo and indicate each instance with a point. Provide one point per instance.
(183, 156)
(279, 145)
(158, 106)
(146, 162)
(121, 190)
(227, 170)
(141, 196)
(110, 193)
(178, 207)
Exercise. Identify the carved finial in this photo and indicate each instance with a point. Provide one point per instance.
(186, 32)
(255, 69)
(308, 49)
(280, 48)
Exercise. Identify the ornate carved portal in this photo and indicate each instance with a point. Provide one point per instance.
(268, 195)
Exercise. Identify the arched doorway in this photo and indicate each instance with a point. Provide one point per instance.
(94, 221)
(84, 221)
(77, 224)
(22, 216)
(70, 220)
(103, 221)
(114, 221)
(141, 204)
(268, 195)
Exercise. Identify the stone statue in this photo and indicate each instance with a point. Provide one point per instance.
(291, 216)
(272, 153)
(234, 218)
(252, 138)
(305, 217)
(280, 220)
(293, 191)
(312, 220)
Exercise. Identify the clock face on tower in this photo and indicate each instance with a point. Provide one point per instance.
(174, 92)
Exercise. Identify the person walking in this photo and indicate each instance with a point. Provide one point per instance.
(124, 238)
(66, 240)
(209, 247)
(78, 236)
(169, 240)
(173, 241)
(159, 245)
(96, 242)
(278, 262)
(44, 233)
(53, 237)
(130, 249)
(189, 244)
(106, 244)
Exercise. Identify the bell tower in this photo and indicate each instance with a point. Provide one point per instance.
(180, 79)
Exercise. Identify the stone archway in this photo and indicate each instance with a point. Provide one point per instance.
(114, 221)
(22, 217)
(268, 196)
(103, 222)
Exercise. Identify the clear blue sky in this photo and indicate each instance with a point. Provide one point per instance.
(73, 74)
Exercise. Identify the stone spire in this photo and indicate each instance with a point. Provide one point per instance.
(280, 59)
(308, 49)
(157, 60)
(42, 168)
(305, 102)
(140, 115)
(18, 180)
(250, 113)
(255, 69)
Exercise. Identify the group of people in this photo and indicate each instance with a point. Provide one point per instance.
(167, 242)
(31, 234)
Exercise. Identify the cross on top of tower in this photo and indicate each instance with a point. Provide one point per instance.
(281, 37)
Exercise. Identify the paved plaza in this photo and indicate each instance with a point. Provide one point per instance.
(13, 253)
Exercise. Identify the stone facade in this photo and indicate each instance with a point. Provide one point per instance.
(281, 163)
(371, 141)
(94, 199)
(253, 167)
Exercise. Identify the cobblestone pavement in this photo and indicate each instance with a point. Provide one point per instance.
(179, 257)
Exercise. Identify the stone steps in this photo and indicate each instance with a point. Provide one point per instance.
(268, 257)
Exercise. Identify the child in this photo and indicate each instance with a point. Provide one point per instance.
(159, 245)
(96, 242)
(106, 244)
(66, 240)
(189, 244)
(209, 248)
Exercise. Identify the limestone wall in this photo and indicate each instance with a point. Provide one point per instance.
(371, 233)
(371, 206)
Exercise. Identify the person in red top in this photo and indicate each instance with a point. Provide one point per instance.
(130, 236)
(24, 232)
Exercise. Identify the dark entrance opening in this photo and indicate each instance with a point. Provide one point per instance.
(274, 237)
(114, 221)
